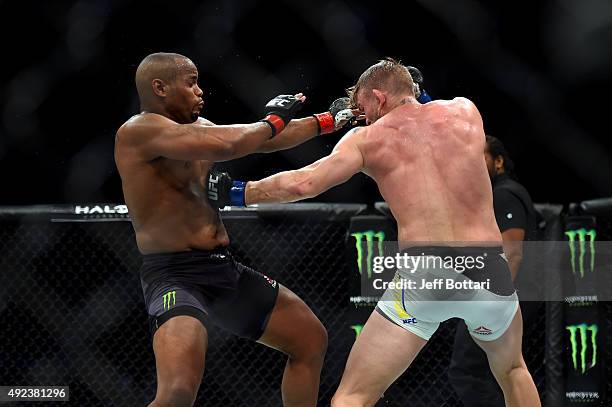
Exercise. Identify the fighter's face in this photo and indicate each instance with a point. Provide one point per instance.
(185, 96)
(369, 105)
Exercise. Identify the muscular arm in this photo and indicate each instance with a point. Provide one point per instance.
(344, 161)
(297, 132)
(301, 130)
(156, 136)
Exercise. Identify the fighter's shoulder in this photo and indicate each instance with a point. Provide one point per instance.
(142, 125)
(455, 103)
(464, 104)
(356, 134)
(356, 131)
(204, 122)
(142, 121)
(353, 137)
(461, 100)
(459, 107)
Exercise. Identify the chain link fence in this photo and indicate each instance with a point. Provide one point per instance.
(73, 313)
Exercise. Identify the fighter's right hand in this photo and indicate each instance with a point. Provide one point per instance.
(222, 190)
(340, 114)
(280, 110)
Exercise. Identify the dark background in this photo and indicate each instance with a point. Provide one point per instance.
(538, 71)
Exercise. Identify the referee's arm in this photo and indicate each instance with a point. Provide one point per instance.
(512, 221)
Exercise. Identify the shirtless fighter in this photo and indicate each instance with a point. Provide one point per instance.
(164, 155)
(427, 162)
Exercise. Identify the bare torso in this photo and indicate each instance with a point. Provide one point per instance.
(428, 163)
(166, 198)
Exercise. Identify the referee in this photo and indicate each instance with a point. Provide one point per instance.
(469, 371)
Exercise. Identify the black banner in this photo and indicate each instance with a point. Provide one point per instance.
(584, 364)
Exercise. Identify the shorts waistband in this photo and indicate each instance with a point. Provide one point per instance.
(443, 251)
(194, 254)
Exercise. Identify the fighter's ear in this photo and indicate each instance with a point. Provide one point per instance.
(159, 87)
(380, 96)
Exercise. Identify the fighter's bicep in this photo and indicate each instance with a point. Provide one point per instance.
(186, 142)
(345, 161)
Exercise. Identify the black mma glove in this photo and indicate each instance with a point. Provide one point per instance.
(222, 191)
(340, 114)
(280, 110)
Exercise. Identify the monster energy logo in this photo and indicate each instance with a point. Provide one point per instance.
(357, 329)
(583, 328)
(580, 235)
(369, 236)
(169, 299)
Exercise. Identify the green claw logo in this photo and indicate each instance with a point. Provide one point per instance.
(169, 300)
(583, 329)
(369, 236)
(580, 236)
(357, 329)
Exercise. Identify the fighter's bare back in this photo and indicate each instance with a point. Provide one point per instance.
(166, 197)
(427, 162)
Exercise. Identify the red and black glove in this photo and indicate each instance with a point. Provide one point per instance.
(340, 114)
(280, 110)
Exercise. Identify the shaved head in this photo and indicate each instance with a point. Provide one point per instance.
(167, 84)
(163, 66)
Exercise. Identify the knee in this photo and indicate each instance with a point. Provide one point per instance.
(506, 370)
(315, 343)
(318, 340)
(176, 395)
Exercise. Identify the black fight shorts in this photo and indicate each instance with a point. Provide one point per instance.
(210, 286)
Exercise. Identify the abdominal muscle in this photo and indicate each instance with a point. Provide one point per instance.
(169, 210)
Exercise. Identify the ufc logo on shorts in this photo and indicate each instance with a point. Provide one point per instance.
(213, 192)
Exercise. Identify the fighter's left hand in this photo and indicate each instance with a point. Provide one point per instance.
(223, 191)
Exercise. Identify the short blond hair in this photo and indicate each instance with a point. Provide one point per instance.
(388, 74)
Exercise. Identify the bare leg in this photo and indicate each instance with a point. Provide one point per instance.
(180, 347)
(382, 352)
(507, 364)
(296, 331)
